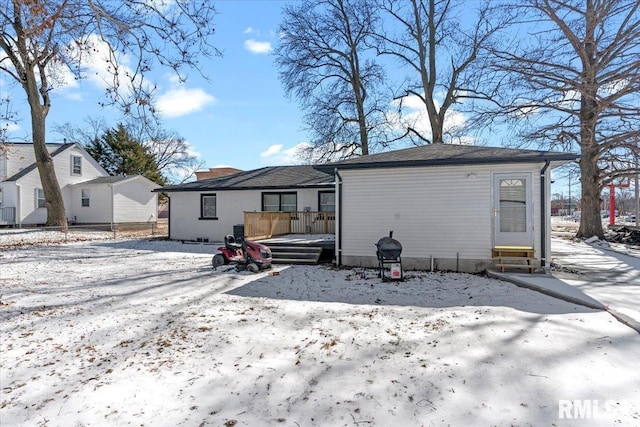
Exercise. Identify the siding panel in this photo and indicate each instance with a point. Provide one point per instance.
(231, 205)
(437, 211)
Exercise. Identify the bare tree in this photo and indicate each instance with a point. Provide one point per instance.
(444, 51)
(325, 62)
(42, 38)
(574, 83)
(172, 153)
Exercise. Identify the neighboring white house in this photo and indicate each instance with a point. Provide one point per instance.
(452, 205)
(90, 194)
(209, 209)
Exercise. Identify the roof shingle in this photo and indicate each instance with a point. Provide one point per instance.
(272, 177)
(447, 154)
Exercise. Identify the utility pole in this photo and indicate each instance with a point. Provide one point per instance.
(570, 210)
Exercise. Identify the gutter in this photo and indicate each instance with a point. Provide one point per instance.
(339, 217)
(449, 161)
(543, 216)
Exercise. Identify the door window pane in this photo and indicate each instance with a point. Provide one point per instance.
(513, 205)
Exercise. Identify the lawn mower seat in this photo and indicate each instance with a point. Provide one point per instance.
(230, 243)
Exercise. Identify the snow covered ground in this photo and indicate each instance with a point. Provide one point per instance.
(120, 332)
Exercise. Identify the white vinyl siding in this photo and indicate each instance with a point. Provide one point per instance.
(439, 211)
(185, 222)
(130, 201)
(3, 166)
(99, 209)
(134, 201)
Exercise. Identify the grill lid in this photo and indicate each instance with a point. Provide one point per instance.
(388, 244)
(388, 247)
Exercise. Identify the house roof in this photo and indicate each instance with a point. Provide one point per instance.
(33, 166)
(107, 179)
(272, 177)
(447, 154)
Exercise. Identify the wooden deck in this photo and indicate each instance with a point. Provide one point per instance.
(265, 225)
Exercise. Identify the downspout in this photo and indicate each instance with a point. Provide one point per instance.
(339, 218)
(19, 205)
(169, 217)
(543, 215)
(112, 207)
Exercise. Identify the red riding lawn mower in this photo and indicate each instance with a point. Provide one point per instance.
(245, 254)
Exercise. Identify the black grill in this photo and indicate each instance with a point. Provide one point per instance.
(388, 252)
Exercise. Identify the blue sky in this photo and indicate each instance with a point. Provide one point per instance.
(239, 117)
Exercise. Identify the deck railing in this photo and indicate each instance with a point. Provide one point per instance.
(7, 216)
(264, 225)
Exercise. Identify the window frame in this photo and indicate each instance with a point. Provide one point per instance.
(39, 199)
(320, 193)
(85, 194)
(279, 194)
(204, 196)
(73, 165)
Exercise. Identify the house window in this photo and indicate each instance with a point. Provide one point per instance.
(208, 209)
(76, 165)
(280, 202)
(40, 200)
(327, 201)
(85, 198)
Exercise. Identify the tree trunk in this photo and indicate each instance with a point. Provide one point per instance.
(56, 215)
(436, 129)
(590, 220)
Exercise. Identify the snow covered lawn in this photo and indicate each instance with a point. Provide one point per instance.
(119, 332)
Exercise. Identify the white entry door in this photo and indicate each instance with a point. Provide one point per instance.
(513, 209)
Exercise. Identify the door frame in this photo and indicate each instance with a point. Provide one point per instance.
(526, 238)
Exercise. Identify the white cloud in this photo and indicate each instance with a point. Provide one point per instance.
(248, 30)
(276, 155)
(257, 47)
(10, 126)
(271, 151)
(414, 114)
(181, 101)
